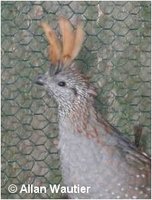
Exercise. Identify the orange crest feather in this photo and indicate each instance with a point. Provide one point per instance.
(71, 41)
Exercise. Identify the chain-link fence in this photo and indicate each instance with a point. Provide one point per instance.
(116, 54)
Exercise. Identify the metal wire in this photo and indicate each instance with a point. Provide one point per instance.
(116, 54)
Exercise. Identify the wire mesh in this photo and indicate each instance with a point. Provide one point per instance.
(116, 54)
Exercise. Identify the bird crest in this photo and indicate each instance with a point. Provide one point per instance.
(66, 49)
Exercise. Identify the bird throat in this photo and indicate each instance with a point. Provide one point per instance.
(77, 113)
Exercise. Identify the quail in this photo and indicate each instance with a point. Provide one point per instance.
(93, 153)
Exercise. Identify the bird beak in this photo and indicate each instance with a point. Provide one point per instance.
(39, 80)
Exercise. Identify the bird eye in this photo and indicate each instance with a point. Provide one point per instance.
(62, 83)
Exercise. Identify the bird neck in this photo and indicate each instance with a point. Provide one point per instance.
(77, 112)
(64, 109)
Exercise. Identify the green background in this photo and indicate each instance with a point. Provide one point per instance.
(115, 54)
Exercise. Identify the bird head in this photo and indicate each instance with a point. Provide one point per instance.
(63, 80)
